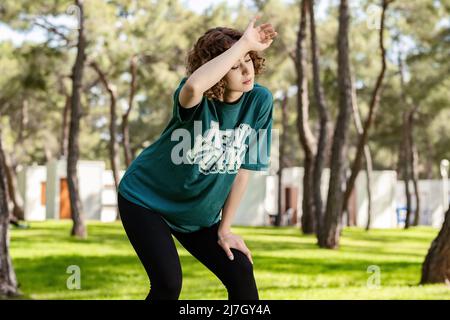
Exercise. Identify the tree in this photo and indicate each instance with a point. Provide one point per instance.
(64, 140)
(113, 145)
(408, 150)
(329, 236)
(8, 281)
(367, 156)
(27, 112)
(281, 157)
(78, 228)
(436, 267)
(125, 124)
(319, 96)
(305, 134)
(11, 182)
(374, 103)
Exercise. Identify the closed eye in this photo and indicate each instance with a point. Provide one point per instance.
(234, 68)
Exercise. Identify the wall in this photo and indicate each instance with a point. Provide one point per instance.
(30, 180)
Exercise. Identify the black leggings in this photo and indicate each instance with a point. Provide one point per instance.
(151, 238)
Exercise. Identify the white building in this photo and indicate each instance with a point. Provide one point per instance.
(46, 193)
(46, 196)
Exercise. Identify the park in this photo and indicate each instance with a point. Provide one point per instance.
(273, 150)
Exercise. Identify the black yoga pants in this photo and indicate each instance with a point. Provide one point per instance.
(151, 238)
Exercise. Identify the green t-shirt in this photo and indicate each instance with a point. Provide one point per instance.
(187, 173)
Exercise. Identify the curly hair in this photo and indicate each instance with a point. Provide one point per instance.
(214, 42)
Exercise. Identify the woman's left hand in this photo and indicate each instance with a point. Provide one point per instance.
(259, 38)
(231, 240)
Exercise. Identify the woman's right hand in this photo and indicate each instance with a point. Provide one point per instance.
(259, 38)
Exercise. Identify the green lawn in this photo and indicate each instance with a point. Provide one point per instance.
(287, 264)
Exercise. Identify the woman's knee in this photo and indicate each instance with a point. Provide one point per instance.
(242, 262)
(238, 272)
(240, 281)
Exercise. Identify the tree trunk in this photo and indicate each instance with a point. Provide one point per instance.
(319, 96)
(281, 159)
(369, 168)
(113, 145)
(23, 120)
(125, 127)
(367, 156)
(414, 164)
(332, 222)
(8, 281)
(78, 228)
(406, 169)
(11, 180)
(373, 106)
(65, 129)
(64, 142)
(436, 267)
(306, 137)
(15, 201)
(408, 151)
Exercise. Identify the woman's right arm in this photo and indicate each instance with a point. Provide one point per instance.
(206, 76)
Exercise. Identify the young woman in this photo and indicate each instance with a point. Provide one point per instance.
(190, 181)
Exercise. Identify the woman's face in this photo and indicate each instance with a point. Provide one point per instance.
(241, 71)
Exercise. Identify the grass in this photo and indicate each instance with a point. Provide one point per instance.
(288, 265)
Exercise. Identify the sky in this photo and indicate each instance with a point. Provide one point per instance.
(200, 5)
(37, 34)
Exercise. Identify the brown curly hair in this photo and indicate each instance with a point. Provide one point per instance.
(214, 42)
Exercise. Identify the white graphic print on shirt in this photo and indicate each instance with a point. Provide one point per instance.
(220, 151)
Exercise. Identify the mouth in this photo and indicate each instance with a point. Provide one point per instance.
(248, 81)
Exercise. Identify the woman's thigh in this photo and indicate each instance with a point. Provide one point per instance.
(152, 240)
(237, 275)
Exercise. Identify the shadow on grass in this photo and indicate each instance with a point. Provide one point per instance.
(278, 254)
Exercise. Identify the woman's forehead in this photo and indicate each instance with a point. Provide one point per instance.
(245, 56)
